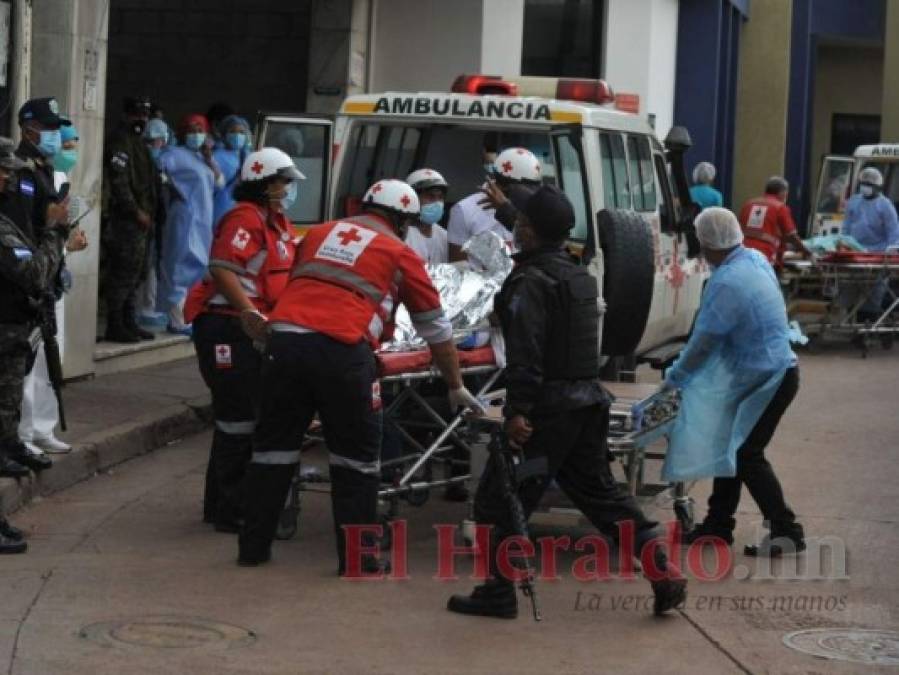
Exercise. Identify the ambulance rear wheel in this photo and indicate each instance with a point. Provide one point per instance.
(629, 280)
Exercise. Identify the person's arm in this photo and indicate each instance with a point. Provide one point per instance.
(119, 164)
(788, 231)
(890, 224)
(456, 233)
(524, 320)
(27, 268)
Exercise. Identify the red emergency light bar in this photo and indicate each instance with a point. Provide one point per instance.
(566, 89)
(484, 84)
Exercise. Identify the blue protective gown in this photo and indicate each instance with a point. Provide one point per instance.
(229, 161)
(872, 222)
(187, 237)
(730, 369)
(705, 196)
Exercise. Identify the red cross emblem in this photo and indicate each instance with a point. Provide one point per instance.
(243, 236)
(256, 168)
(405, 201)
(757, 212)
(507, 167)
(223, 351)
(349, 236)
(377, 188)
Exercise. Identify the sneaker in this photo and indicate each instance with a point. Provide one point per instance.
(669, 594)
(52, 445)
(10, 531)
(183, 330)
(495, 599)
(11, 546)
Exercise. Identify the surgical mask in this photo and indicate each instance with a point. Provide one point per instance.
(65, 159)
(289, 197)
(155, 152)
(431, 213)
(488, 168)
(867, 191)
(49, 143)
(236, 140)
(195, 140)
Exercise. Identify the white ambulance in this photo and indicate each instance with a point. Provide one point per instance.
(838, 180)
(634, 214)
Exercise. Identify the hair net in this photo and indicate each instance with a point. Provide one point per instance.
(871, 176)
(718, 229)
(704, 172)
(156, 128)
(233, 121)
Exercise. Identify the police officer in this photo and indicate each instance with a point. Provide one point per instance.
(132, 178)
(347, 281)
(556, 411)
(27, 264)
(249, 264)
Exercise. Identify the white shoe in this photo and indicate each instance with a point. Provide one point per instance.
(32, 447)
(52, 445)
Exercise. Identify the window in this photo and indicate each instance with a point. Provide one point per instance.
(614, 172)
(571, 178)
(308, 144)
(833, 189)
(667, 215)
(562, 38)
(642, 178)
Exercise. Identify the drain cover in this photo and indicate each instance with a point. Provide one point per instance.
(872, 647)
(167, 632)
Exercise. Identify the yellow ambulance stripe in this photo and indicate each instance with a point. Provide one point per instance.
(358, 107)
(564, 116)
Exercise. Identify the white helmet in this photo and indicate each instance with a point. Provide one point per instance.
(394, 195)
(425, 179)
(517, 164)
(269, 162)
(871, 176)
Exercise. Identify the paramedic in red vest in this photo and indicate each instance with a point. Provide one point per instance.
(767, 223)
(252, 254)
(347, 281)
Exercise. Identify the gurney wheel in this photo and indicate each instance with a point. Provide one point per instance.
(417, 497)
(683, 511)
(287, 524)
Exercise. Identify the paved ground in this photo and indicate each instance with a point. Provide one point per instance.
(128, 545)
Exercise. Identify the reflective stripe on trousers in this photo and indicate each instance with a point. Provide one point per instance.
(241, 428)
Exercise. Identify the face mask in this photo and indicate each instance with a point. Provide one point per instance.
(288, 199)
(155, 152)
(431, 213)
(195, 140)
(65, 159)
(236, 141)
(138, 126)
(49, 143)
(488, 168)
(867, 191)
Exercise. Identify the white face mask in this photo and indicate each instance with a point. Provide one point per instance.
(866, 191)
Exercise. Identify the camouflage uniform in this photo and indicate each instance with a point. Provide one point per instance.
(27, 268)
(131, 180)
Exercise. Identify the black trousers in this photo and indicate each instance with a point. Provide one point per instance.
(575, 446)
(230, 366)
(756, 472)
(305, 374)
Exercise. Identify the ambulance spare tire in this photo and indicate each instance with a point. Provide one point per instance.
(626, 241)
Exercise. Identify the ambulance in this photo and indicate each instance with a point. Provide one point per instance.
(838, 180)
(633, 211)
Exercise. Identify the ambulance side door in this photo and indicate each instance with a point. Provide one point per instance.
(308, 141)
(834, 183)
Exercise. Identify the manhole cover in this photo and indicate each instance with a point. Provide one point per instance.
(167, 632)
(872, 647)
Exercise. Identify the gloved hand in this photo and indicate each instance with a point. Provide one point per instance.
(254, 324)
(462, 398)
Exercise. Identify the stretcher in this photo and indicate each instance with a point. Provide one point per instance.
(640, 421)
(826, 294)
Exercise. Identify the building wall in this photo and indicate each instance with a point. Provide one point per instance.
(762, 98)
(69, 62)
(640, 54)
(422, 45)
(889, 128)
(848, 80)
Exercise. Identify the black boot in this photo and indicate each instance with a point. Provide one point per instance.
(116, 331)
(10, 532)
(130, 323)
(787, 539)
(669, 594)
(8, 545)
(708, 529)
(495, 598)
(9, 468)
(25, 457)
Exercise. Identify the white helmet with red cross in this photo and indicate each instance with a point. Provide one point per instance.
(393, 195)
(517, 164)
(269, 162)
(425, 179)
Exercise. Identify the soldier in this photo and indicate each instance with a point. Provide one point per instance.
(132, 180)
(28, 263)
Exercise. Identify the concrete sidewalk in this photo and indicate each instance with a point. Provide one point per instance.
(114, 418)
